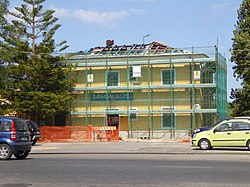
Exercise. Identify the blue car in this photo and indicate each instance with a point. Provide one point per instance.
(14, 138)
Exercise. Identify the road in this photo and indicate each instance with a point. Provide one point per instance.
(126, 170)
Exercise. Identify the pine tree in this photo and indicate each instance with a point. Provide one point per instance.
(3, 11)
(3, 75)
(241, 58)
(38, 86)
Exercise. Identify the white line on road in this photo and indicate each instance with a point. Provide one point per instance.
(44, 148)
(187, 167)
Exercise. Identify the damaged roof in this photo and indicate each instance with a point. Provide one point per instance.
(133, 49)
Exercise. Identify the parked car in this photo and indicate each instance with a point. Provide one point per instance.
(34, 131)
(14, 138)
(230, 132)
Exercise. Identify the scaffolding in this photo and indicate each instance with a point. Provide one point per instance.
(149, 90)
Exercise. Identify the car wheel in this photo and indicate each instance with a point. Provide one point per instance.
(5, 152)
(248, 145)
(204, 144)
(22, 155)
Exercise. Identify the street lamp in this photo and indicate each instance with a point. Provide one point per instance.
(143, 38)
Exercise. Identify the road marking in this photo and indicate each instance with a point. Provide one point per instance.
(44, 148)
(187, 167)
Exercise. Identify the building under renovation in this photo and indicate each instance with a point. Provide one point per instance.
(149, 90)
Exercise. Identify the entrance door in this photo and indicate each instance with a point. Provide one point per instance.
(113, 120)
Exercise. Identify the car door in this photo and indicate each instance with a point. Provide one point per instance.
(22, 130)
(240, 133)
(222, 135)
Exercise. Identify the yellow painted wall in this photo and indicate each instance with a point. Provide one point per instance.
(159, 97)
(182, 121)
(182, 75)
(181, 100)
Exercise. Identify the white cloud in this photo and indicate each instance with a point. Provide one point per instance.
(219, 6)
(107, 19)
(61, 12)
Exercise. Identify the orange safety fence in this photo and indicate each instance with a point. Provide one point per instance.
(65, 133)
(78, 133)
(106, 133)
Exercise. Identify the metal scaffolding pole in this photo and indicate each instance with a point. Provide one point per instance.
(149, 107)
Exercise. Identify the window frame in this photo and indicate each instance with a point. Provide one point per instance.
(169, 70)
(118, 78)
(134, 113)
(241, 123)
(169, 113)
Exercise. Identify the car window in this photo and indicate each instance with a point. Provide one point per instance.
(224, 127)
(216, 124)
(6, 126)
(21, 125)
(241, 126)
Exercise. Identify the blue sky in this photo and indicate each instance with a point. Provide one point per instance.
(178, 23)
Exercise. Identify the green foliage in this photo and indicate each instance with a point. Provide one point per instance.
(36, 85)
(3, 74)
(240, 106)
(3, 11)
(241, 57)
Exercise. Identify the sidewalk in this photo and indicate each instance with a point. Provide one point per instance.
(129, 147)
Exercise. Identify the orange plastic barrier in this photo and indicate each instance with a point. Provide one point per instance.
(66, 133)
(106, 133)
(78, 133)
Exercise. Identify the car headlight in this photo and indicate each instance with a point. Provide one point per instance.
(194, 135)
(197, 130)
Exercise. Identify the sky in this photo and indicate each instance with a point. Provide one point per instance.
(178, 23)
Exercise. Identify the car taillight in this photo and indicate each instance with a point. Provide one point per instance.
(13, 131)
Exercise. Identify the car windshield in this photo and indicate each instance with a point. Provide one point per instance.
(212, 126)
(20, 125)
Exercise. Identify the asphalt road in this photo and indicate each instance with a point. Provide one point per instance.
(126, 170)
(146, 147)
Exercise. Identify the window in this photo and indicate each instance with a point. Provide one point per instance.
(168, 118)
(113, 78)
(133, 114)
(235, 126)
(241, 126)
(224, 127)
(168, 76)
(21, 125)
(6, 126)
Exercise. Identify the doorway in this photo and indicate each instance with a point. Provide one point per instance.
(113, 120)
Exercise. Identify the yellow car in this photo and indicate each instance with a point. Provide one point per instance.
(231, 132)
